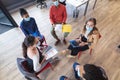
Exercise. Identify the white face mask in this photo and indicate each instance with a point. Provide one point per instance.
(56, 3)
(27, 19)
(89, 28)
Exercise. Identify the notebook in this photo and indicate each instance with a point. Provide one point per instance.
(50, 52)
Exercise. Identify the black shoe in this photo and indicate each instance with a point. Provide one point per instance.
(56, 43)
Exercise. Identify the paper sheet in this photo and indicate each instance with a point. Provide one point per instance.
(50, 52)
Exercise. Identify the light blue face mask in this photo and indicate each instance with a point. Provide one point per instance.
(89, 28)
(27, 19)
(56, 3)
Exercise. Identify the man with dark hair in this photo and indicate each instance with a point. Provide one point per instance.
(58, 15)
(89, 72)
(28, 25)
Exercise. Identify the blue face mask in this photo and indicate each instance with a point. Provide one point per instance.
(56, 3)
(27, 19)
(89, 28)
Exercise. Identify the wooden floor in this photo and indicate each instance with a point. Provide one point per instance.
(105, 54)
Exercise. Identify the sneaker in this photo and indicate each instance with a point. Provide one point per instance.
(64, 41)
(56, 43)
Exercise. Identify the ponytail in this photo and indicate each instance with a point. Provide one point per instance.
(24, 48)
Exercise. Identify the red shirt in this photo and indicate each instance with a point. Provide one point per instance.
(58, 14)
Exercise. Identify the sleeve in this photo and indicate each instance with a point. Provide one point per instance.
(51, 16)
(64, 15)
(36, 65)
(95, 40)
(23, 30)
(36, 29)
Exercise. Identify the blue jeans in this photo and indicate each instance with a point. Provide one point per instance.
(75, 48)
(75, 72)
(74, 43)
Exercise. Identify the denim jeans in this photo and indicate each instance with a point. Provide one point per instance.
(75, 72)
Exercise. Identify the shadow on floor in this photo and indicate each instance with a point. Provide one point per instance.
(4, 28)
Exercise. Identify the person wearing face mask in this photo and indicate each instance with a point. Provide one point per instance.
(89, 72)
(28, 25)
(36, 60)
(58, 15)
(87, 40)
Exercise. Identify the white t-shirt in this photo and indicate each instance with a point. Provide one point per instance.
(36, 64)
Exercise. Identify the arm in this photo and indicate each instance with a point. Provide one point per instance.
(36, 29)
(51, 16)
(64, 15)
(44, 59)
(23, 30)
(78, 39)
(36, 65)
(35, 26)
(95, 40)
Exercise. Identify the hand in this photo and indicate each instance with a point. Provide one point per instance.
(63, 23)
(78, 40)
(45, 55)
(53, 25)
(43, 61)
